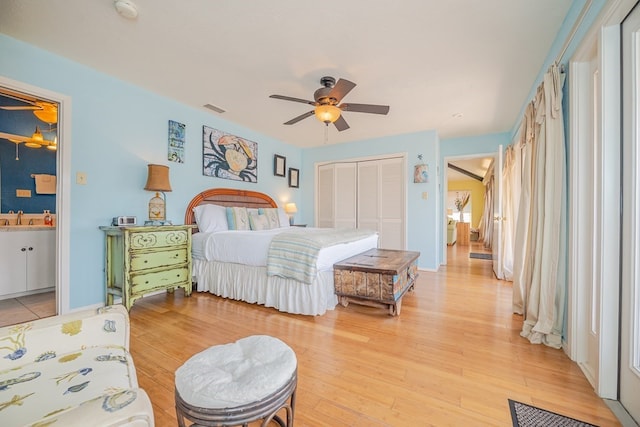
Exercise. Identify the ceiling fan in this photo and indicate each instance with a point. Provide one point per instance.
(43, 110)
(327, 103)
(34, 141)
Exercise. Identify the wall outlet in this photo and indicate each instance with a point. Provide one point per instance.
(81, 178)
(23, 193)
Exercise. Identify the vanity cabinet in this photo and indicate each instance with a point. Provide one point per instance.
(27, 261)
(142, 259)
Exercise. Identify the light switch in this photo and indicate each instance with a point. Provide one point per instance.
(81, 178)
(424, 195)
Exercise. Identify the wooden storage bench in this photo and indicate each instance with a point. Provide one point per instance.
(377, 277)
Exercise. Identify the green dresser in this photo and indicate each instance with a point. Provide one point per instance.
(140, 260)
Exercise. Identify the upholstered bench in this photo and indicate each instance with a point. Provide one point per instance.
(232, 384)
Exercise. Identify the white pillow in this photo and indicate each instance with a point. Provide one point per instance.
(210, 218)
(259, 222)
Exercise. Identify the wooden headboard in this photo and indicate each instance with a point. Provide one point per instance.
(227, 197)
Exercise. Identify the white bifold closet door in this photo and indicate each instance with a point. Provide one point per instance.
(365, 194)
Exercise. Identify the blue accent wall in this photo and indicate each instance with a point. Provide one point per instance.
(16, 174)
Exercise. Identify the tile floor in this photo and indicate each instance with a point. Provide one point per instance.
(24, 309)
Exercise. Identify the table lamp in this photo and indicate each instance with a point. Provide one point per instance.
(290, 208)
(158, 181)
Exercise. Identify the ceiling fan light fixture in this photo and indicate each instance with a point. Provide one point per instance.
(36, 140)
(327, 113)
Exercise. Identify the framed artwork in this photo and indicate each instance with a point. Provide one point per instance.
(421, 173)
(176, 142)
(279, 165)
(294, 178)
(228, 156)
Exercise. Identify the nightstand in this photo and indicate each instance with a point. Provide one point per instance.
(145, 259)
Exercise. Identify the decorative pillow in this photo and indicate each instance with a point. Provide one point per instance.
(259, 222)
(238, 219)
(276, 216)
(211, 218)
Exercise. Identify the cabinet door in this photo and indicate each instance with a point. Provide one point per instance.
(41, 260)
(13, 262)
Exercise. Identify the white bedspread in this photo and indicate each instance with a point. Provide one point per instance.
(252, 247)
(233, 264)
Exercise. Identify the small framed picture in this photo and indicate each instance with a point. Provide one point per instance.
(279, 165)
(294, 178)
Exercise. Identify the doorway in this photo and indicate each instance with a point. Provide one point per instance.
(463, 204)
(62, 139)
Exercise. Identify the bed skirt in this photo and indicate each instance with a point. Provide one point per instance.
(252, 285)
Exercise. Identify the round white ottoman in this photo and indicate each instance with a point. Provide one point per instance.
(238, 383)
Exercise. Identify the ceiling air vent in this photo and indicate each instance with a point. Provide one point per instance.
(214, 108)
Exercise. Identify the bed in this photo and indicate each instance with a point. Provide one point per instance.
(239, 265)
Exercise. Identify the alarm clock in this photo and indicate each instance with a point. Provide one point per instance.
(124, 220)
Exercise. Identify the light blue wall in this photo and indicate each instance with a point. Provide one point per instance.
(117, 129)
(422, 215)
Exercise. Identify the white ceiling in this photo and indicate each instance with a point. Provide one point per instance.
(430, 60)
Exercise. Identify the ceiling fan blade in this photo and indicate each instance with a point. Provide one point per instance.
(289, 98)
(341, 124)
(365, 108)
(21, 108)
(300, 117)
(19, 138)
(13, 137)
(341, 89)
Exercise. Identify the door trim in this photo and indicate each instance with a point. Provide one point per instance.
(63, 199)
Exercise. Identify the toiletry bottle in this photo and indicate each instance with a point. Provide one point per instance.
(47, 218)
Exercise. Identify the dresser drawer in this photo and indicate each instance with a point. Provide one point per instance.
(142, 283)
(146, 260)
(157, 239)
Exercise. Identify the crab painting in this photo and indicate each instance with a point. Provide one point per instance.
(229, 156)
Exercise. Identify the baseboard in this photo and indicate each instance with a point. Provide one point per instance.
(621, 414)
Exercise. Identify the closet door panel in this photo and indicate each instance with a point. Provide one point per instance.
(368, 197)
(392, 235)
(345, 191)
(392, 206)
(326, 196)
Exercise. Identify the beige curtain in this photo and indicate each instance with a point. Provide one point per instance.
(487, 216)
(539, 276)
(511, 182)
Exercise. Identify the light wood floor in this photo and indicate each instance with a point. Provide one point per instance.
(452, 358)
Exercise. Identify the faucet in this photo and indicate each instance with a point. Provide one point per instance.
(19, 220)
